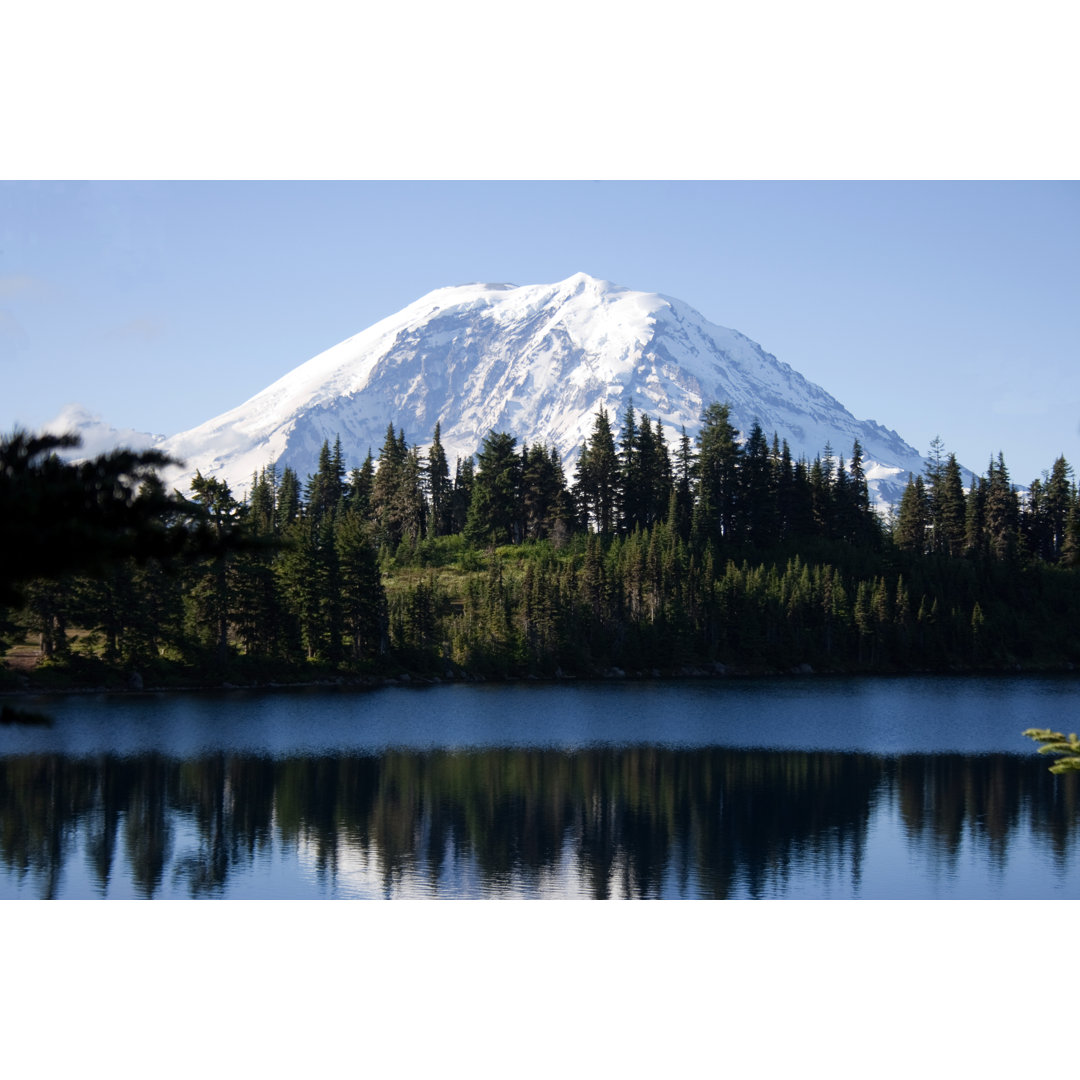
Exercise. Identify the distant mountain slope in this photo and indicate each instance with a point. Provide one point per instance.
(537, 361)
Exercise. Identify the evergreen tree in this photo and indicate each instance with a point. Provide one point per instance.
(800, 515)
(914, 517)
(461, 497)
(288, 499)
(541, 484)
(862, 526)
(631, 497)
(597, 485)
(975, 544)
(326, 488)
(439, 486)
(211, 593)
(948, 510)
(1002, 512)
(361, 484)
(363, 598)
(1059, 499)
(656, 474)
(683, 494)
(262, 501)
(758, 507)
(820, 497)
(386, 501)
(494, 512)
(59, 518)
(1070, 547)
(718, 461)
(409, 506)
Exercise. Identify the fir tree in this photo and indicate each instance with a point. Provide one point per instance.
(494, 513)
(718, 461)
(439, 487)
(597, 485)
(914, 517)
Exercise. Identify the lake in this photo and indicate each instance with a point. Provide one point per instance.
(863, 788)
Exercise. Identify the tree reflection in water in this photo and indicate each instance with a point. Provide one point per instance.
(640, 821)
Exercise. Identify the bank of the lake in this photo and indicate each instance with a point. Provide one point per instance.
(97, 677)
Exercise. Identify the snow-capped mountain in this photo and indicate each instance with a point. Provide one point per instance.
(537, 361)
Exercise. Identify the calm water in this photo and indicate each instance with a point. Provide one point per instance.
(864, 788)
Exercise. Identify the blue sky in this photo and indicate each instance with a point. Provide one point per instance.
(948, 308)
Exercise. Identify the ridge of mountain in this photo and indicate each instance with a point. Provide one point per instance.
(537, 361)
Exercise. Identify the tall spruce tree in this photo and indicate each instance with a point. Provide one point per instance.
(913, 519)
(948, 512)
(597, 485)
(1059, 498)
(439, 486)
(288, 499)
(386, 502)
(361, 483)
(494, 511)
(758, 507)
(718, 460)
(1002, 512)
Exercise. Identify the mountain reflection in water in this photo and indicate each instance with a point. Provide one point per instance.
(637, 821)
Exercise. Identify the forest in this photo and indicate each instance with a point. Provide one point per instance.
(722, 555)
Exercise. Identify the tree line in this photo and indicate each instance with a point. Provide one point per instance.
(721, 552)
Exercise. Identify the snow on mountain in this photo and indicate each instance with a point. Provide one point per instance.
(537, 361)
(96, 435)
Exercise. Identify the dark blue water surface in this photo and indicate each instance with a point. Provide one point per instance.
(809, 788)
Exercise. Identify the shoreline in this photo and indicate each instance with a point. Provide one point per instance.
(716, 672)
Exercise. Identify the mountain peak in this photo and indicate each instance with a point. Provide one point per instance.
(537, 361)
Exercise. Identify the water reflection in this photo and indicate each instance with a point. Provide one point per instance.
(604, 822)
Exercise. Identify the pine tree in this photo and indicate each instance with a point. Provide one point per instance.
(288, 499)
(718, 463)
(630, 495)
(262, 501)
(361, 483)
(59, 518)
(1058, 503)
(863, 527)
(597, 485)
(1070, 547)
(755, 490)
(975, 544)
(326, 488)
(1002, 512)
(914, 517)
(494, 511)
(656, 475)
(683, 491)
(212, 593)
(540, 490)
(363, 598)
(386, 503)
(949, 517)
(409, 508)
(439, 486)
(461, 497)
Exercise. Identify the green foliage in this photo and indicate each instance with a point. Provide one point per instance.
(1054, 742)
(736, 555)
(495, 508)
(59, 518)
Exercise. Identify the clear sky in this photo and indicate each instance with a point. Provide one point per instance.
(948, 308)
